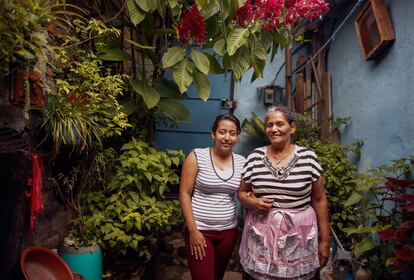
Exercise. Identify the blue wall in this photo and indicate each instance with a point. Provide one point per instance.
(377, 95)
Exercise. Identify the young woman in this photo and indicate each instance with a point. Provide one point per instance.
(286, 233)
(209, 180)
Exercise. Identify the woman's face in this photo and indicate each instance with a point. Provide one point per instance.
(225, 136)
(278, 130)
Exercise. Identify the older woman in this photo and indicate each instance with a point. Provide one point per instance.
(286, 233)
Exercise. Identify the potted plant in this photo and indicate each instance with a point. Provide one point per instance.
(132, 208)
(81, 248)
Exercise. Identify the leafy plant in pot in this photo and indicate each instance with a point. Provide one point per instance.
(383, 204)
(81, 246)
(131, 209)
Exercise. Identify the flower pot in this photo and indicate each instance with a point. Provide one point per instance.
(39, 263)
(86, 261)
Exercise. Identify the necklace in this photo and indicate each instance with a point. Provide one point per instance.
(279, 160)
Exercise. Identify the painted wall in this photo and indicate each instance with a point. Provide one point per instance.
(377, 95)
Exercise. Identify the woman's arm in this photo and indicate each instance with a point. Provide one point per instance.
(188, 177)
(249, 200)
(319, 202)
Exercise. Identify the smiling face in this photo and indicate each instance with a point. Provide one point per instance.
(225, 136)
(278, 130)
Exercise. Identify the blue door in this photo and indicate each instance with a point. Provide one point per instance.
(196, 133)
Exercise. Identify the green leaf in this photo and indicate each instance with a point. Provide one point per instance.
(230, 8)
(138, 224)
(364, 246)
(240, 63)
(128, 225)
(149, 94)
(208, 7)
(275, 47)
(135, 13)
(138, 45)
(148, 175)
(248, 128)
(260, 47)
(174, 109)
(182, 73)
(201, 61)
(283, 37)
(173, 3)
(129, 107)
(226, 61)
(113, 55)
(213, 28)
(215, 67)
(168, 88)
(219, 47)
(353, 199)
(202, 84)
(258, 66)
(134, 196)
(237, 38)
(147, 5)
(172, 56)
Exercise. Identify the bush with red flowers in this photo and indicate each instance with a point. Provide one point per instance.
(384, 222)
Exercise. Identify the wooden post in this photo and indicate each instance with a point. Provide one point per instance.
(300, 87)
(288, 80)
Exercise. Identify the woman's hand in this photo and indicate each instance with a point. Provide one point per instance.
(263, 204)
(324, 251)
(197, 244)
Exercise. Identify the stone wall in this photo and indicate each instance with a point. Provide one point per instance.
(16, 138)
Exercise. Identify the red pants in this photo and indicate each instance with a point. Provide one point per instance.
(220, 245)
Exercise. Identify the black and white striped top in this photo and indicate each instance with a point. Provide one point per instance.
(213, 201)
(290, 186)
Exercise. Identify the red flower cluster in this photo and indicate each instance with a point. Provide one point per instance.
(309, 9)
(192, 27)
(245, 15)
(270, 11)
(266, 11)
(312, 9)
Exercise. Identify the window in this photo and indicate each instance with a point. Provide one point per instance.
(374, 28)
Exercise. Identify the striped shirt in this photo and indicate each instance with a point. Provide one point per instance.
(289, 186)
(213, 201)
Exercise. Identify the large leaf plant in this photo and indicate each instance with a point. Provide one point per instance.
(228, 46)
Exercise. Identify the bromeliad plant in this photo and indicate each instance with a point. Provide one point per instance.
(383, 204)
